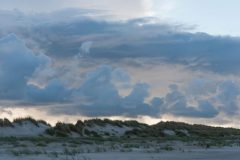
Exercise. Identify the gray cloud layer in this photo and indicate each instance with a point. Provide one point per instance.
(35, 79)
(98, 95)
(137, 38)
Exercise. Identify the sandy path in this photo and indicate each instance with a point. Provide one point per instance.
(212, 154)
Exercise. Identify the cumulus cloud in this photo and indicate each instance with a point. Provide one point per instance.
(22, 73)
(201, 87)
(228, 93)
(176, 103)
(99, 96)
(55, 92)
(17, 64)
(138, 95)
(43, 74)
(98, 87)
(224, 93)
(98, 93)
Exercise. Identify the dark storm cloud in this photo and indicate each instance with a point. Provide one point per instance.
(137, 39)
(63, 34)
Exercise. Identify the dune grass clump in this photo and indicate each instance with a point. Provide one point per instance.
(5, 123)
(30, 119)
(63, 130)
(167, 147)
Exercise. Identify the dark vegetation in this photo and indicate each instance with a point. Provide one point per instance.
(81, 127)
(117, 123)
(180, 129)
(139, 130)
(6, 123)
(64, 129)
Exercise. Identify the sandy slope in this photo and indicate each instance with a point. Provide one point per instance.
(25, 129)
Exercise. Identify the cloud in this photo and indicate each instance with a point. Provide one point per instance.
(143, 38)
(18, 68)
(98, 87)
(123, 9)
(120, 75)
(176, 104)
(54, 92)
(4, 111)
(17, 64)
(197, 51)
(211, 97)
(201, 87)
(224, 93)
(228, 95)
(43, 74)
(98, 92)
(99, 96)
(85, 61)
(138, 94)
(85, 49)
(60, 37)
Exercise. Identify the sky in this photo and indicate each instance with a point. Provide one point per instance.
(149, 60)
